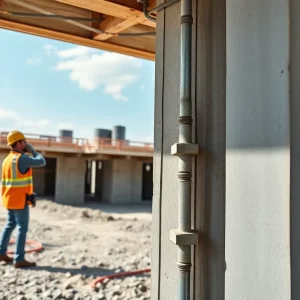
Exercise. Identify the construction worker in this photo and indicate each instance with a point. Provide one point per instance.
(17, 195)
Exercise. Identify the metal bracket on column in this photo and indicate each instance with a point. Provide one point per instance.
(184, 149)
(183, 238)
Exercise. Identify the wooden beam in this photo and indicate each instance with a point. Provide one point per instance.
(112, 26)
(151, 4)
(111, 9)
(56, 35)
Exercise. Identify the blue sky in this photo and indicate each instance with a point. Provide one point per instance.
(48, 85)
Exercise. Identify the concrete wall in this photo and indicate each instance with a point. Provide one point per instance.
(258, 150)
(122, 181)
(70, 179)
(209, 172)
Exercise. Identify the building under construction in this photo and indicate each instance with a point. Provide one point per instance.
(107, 168)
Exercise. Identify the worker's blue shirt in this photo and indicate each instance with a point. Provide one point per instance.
(26, 162)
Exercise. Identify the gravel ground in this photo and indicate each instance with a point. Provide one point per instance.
(81, 244)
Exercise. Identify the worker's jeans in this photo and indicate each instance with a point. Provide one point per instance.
(16, 218)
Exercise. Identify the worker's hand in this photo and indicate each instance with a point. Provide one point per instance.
(29, 148)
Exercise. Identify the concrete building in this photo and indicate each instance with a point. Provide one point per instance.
(108, 170)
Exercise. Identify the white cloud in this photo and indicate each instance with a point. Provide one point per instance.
(34, 61)
(74, 52)
(112, 71)
(49, 49)
(10, 120)
(8, 114)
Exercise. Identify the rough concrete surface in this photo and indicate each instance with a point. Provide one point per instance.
(81, 244)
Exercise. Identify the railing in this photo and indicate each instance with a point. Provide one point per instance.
(83, 144)
(121, 145)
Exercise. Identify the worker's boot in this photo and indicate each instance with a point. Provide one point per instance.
(24, 264)
(6, 258)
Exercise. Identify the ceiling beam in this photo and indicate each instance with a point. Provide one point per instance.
(111, 9)
(151, 4)
(112, 26)
(56, 35)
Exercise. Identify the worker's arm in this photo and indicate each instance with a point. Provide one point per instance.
(34, 161)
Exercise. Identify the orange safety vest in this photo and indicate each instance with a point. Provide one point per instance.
(15, 185)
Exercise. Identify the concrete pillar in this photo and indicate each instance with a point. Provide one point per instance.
(208, 215)
(258, 150)
(136, 181)
(70, 180)
(248, 220)
(122, 181)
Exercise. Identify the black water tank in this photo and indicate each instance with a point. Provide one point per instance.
(118, 133)
(66, 135)
(102, 133)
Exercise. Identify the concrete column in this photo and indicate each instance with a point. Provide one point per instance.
(208, 215)
(258, 150)
(136, 181)
(70, 179)
(244, 246)
(122, 181)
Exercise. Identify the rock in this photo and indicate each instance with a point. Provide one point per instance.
(67, 286)
(12, 280)
(101, 296)
(57, 294)
(77, 297)
(21, 297)
(69, 296)
(72, 281)
(32, 283)
(143, 288)
(46, 294)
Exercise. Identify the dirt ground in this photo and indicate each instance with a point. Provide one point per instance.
(81, 244)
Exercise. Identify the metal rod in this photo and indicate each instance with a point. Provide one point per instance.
(146, 13)
(158, 8)
(162, 6)
(185, 159)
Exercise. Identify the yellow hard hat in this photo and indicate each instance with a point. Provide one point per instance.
(14, 136)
